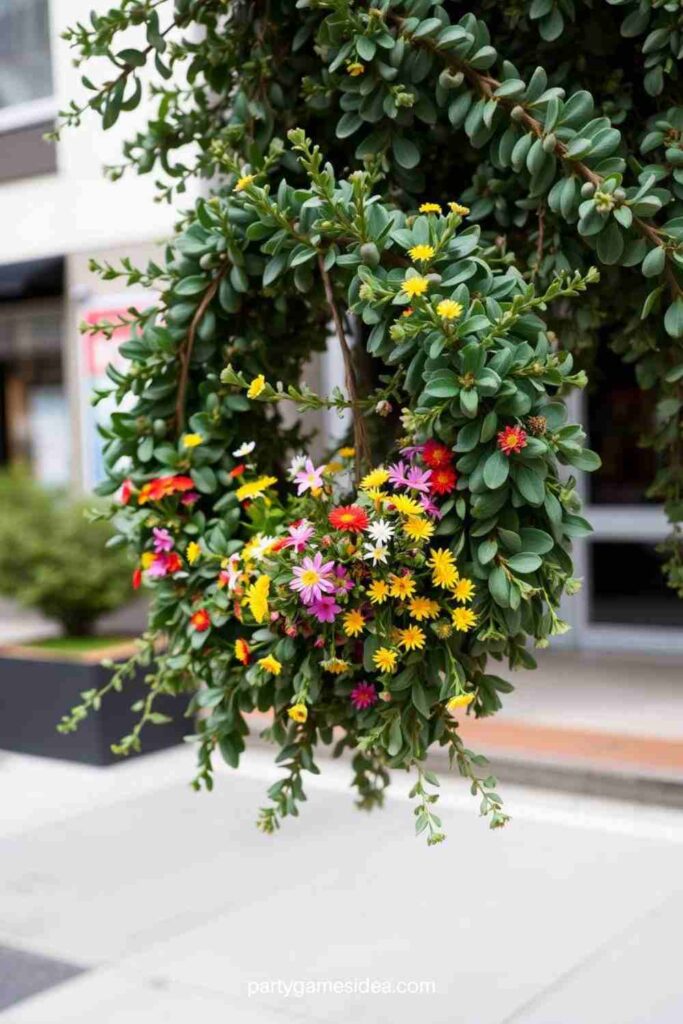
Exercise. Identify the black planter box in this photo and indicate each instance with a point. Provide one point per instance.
(37, 689)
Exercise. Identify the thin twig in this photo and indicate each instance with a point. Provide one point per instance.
(185, 353)
(359, 433)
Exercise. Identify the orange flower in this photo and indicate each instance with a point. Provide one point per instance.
(242, 651)
(163, 486)
(200, 620)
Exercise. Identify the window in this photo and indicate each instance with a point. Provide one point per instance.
(627, 587)
(25, 63)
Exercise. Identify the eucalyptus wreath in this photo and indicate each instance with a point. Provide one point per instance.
(388, 174)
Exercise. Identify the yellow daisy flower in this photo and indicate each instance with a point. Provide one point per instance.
(353, 623)
(335, 666)
(270, 664)
(355, 68)
(449, 310)
(146, 559)
(412, 638)
(385, 659)
(464, 619)
(257, 598)
(347, 453)
(257, 386)
(430, 208)
(193, 552)
(415, 285)
(421, 252)
(333, 467)
(401, 587)
(298, 712)
(463, 590)
(374, 479)
(378, 592)
(462, 211)
(244, 182)
(406, 506)
(418, 529)
(192, 440)
(444, 571)
(255, 488)
(377, 495)
(461, 700)
(423, 608)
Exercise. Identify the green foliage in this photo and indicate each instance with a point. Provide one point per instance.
(556, 123)
(53, 560)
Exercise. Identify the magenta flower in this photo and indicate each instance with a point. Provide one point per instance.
(418, 479)
(411, 450)
(189, 498)
(397, 474)
(312, 578)
(299, 536)
(342, 581)
(309, 478)
(430, 508)
(363, 696)
(162, 564)
(163, 541)
(325, 609)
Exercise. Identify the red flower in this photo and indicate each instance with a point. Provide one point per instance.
(238, 470)
(349, 517)
(363, 695)
(126, 491)
(512, 439)
(163, 486)
(443, 481)
(437, 455)
(137, 578)
(200, 620)
(279, 544)
(173, 562)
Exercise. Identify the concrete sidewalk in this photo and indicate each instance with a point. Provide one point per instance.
(172, 904)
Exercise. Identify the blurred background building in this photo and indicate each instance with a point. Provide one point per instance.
(58, 210)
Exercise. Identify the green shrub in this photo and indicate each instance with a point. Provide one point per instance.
(56, 561)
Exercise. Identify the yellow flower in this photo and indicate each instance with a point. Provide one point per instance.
(421, 252)
(255, 488)
(244, 182)
(378, 592)
(242, 650)
(460, 701)
(333, 467)
(385, 659)
(449, 310)
(443, 629)
(406, 506)
(418, 529)
(353, 623)
(298, 712)
(374, 479)
(462, 211)
(444, 571)
(423, 608)
(415, 285)
(270, 664)
(377, 495)
(192, 440)
(464, 619)
(146, 559)
(355, 68)
(257, 386)
(257, 598)
(193, 552)
(402, 586)
(463, 590)
(347, 453)
(430, 208)
(412, 638)
(336, 666)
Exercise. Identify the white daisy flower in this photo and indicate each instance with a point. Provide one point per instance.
(244, 449)
(381, 531)
(375, 553)
(296, 465)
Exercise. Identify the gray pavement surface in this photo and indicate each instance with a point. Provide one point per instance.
(175, 905)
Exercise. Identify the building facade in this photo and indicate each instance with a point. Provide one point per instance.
(58, 210)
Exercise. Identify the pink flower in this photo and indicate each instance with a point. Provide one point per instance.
(312, 578)
(299, 535)
(309, 478)
(397, 474)
(342, 581)
(325, 609)
(164, 564)
(363, 696)
(163, 541)
(418, 479)
(411, 450)
(430, 508)
(189, 498)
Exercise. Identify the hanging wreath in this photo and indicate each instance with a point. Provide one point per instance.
(358, 601)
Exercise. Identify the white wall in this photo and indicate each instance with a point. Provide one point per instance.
(77, 209)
